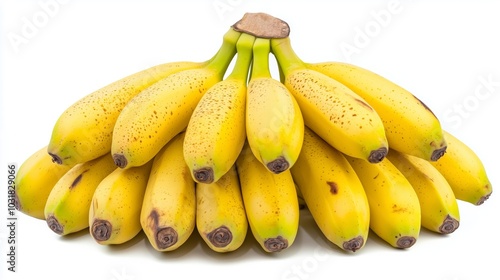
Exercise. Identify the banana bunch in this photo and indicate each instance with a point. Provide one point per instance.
(186, 147)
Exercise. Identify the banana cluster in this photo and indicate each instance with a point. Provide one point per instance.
(187, 146)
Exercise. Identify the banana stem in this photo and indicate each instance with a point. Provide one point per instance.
(288, 60)
(260, 66)
(244, 48)
(221, 60)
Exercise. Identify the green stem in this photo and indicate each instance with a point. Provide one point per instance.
(260, 65)
(288, 60)
(244, 59)
(221, 60)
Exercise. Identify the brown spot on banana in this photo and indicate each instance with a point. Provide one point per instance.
(101, 229)
(364, 104)
(56, 159)
(354, 244)
(425, 106)
(334, 188)
(77, 180)
(54, 225)
(220, 237)
(438, 153)
(278, 165)
(449, 225)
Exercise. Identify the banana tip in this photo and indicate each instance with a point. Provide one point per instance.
(120, 160)
(378, 155)
(278, 165)
(204, 175)
(101, 230)
(449, 225)
(220, 237)
(354, 244)
(54, 225)
(484, 198)
(165, 237)
(405, 242)
(275, 244)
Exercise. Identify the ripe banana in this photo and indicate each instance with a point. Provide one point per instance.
(410, 126)
(67, 207)
(394, 207)
(83, 131)
(438, 205)
(116, 205)
(271, 203)
(333, 111)
(169, 206)
(161, 111)
(220, 214)
(34, 180)
(215, 133)
(464, 171)
(333, 193)
(274, 122)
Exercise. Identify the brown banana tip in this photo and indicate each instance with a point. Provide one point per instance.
(485, 197)
(278, 165)
(378, 155)
(54, 225)
(204, 175)
(220, 237)
(354, 244)
(101, 230)
(437, 154)
(56, 159)
(275, 244)
(449, 225)
(165, 237)
(405, 242)
(17, 203)
(120, 160)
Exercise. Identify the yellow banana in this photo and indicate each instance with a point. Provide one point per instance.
(274, 123)
(438, 205)
(216, 131)
(161, 111)
(333, 193)
(464, 171)
(84, 130)
(394, 207)
(220, 214)
(270, 201)
(410, 126)
(35, 178)
(116, 205)
(169, 206)
(67, 207)
(333, 111)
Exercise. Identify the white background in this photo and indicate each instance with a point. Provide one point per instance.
(439, 51)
